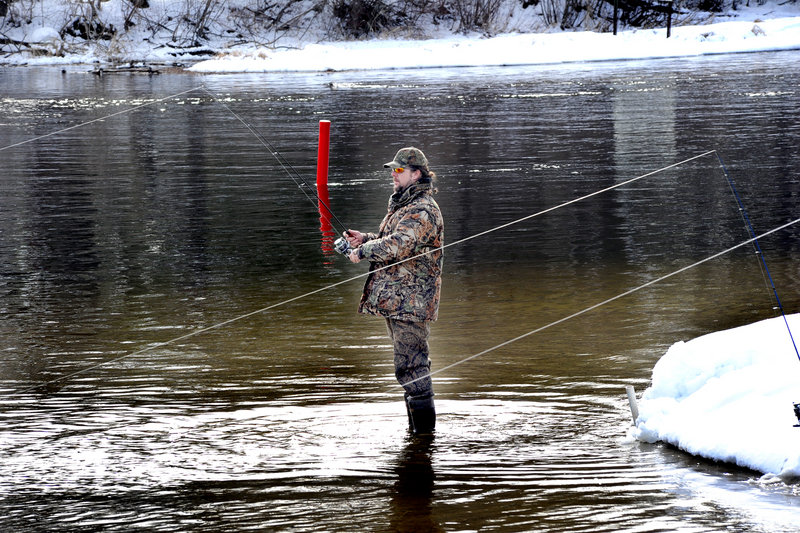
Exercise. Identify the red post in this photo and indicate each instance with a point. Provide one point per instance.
(323, 152)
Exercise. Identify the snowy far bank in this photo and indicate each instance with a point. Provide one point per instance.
(728, 396)
(518, 37)
(517, 49)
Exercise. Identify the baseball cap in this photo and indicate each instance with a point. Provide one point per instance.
(409, 157)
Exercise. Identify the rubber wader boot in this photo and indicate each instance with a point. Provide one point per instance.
(422, 414)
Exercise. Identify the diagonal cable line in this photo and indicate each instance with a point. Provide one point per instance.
(348, 280)
(100, 119)
(604, 302)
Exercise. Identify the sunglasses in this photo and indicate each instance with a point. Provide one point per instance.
(399, 170)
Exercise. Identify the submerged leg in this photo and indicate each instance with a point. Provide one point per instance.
(412, 369)
(422, 414)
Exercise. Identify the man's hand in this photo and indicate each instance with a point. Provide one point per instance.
(353, 256)
(355, 238)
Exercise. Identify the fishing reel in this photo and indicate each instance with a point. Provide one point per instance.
(342, 246)
(797, 414)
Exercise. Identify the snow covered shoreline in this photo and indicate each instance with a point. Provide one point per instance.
(769, 27)
(728, 396)
(518, 49)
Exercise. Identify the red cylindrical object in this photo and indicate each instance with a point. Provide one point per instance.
(323, 152)
(328, 234)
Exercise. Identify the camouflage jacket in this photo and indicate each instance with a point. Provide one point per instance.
(399, 287)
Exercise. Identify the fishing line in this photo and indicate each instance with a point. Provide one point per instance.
(759, 253)
(498, 346)
(128, 110)
(359, 276)
(287, 167)
(604, 302)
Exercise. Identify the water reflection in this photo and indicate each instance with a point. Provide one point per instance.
(412, 498)
(325, 226)
(145, 228)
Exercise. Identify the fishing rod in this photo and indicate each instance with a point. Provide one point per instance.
(765, 270)
(759, 253)
(340, 245)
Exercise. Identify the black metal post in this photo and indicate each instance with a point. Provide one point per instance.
(669, 19)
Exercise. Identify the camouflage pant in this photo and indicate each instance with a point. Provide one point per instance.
(410, 340)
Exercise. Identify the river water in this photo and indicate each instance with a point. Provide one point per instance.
(174, 357)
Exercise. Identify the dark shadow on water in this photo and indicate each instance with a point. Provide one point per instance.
(412, 500)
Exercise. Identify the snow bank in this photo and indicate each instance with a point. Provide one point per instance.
(517, 49)
(774, 25)
(728, 396)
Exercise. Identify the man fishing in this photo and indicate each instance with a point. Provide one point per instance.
(405, 279)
